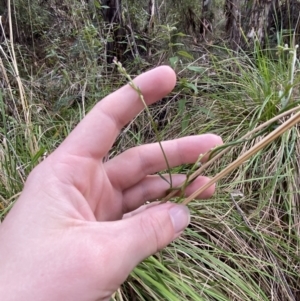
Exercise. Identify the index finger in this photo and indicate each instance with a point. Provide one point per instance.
(96, 133)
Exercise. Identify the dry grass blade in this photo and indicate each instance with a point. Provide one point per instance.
(15, 66)
(263, 243)
(219, 155)
(268, 139)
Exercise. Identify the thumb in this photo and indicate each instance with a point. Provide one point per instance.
(152, 229)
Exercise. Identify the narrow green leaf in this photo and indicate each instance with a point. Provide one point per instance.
(196, 69)
(185, 54)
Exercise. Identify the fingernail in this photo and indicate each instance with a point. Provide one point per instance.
(180, 216)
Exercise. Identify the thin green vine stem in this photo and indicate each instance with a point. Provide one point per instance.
(123, 71)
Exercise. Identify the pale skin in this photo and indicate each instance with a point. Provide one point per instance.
(79, 227)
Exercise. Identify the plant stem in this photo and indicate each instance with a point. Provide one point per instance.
(257, 147)
(215, 158)
(123, 71)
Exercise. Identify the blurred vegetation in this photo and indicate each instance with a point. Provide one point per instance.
(56, 63)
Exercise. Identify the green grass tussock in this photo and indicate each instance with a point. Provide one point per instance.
(244, 243)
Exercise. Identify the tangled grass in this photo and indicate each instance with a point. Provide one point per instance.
(244, 243)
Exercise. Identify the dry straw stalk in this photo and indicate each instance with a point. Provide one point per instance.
(256, 148)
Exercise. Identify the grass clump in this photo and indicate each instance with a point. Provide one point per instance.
(244, 243)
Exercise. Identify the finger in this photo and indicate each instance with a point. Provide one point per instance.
(133, 165)
(154, 187)
(148, 232)
(141, 209)
(96, 133)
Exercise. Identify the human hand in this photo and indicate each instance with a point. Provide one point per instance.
(78, 228)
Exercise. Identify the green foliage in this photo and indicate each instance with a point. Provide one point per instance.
(234, 251)
(244, 251)
(31, 17)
